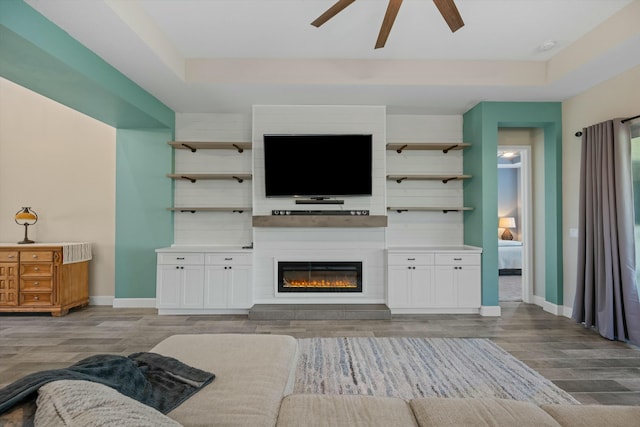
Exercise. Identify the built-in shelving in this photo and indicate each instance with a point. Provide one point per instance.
(444, 209)
(210, 145)
(194, 177)
(445, 147)
(210, 209)
(411, 177)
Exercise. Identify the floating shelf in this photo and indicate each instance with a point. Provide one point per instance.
(210, 145)
(443, 178)
(320, 221)
(193, 177)
(443, 209)
(201, 209)
(399, 147)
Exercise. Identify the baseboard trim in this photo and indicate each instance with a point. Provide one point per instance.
(101, 300)
(490, 311)
(134, 303)
(557, 310)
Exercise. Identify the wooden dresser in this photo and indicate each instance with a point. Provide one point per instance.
(44, 277)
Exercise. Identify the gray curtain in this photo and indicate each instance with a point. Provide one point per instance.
(606, 292)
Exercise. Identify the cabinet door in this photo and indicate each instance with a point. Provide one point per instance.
(446, 288)
(240, 286)
(215, 286)
(398, 285)
(168, 286)
(8, 284)
(469, 289)
(421, 289)
(192, 286)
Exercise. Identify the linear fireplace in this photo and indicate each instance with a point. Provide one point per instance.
(319, 276)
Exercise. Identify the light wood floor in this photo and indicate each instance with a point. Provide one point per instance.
(592, 369)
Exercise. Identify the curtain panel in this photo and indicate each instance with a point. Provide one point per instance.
(606, 292)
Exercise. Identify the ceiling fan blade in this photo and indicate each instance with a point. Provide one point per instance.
(450, 13)
(387, 23)
(331, 12)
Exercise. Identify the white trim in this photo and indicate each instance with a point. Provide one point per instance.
(567, 311)
(547, 306)
(197, 311)
(490, 311)
(134, 303)
(101, 300)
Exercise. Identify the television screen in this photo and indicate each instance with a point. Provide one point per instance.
(318, 165)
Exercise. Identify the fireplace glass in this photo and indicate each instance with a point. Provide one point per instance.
(319, 276)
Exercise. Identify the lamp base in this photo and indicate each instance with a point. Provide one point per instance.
(507, 235)
(25, 242)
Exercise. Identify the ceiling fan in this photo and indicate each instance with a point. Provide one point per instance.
(447, 9)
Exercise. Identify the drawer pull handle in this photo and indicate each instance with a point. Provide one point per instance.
(411, 259)
(180, 257)
(457, 259)
(11, 256)
(228, 259)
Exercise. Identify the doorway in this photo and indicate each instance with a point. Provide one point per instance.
(515, 239)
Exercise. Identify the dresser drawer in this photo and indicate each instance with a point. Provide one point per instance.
(8, 256)
(35, 298)
(36, 270)
(28, 256)
(229, 259)
(36, 285)
(458, 259)
(182, 258)
(410, 259)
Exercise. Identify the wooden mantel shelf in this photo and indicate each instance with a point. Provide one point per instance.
(320, 221)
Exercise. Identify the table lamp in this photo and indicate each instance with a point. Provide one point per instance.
(26, 217)
(507, 223)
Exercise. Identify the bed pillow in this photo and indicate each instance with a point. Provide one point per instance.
(85, 403)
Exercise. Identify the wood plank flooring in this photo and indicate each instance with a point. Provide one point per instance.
(592, 369)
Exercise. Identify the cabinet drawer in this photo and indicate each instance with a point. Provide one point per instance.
(8, 256)
(405, 259)
(36, 270)
(183, 258)
(35, 298)
(229, 259)
(36, 285)
(458, 259)
(26, 256)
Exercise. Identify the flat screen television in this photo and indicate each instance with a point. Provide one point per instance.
(318, 166)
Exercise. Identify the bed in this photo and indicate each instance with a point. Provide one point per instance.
(509, 257)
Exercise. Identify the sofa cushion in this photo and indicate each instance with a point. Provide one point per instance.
(85, 403)
(594, 415)
(253, 373)
(344, 410)
(479, 412)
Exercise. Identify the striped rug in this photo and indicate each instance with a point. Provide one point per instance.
(419, 367)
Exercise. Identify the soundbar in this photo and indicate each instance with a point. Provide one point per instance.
(319, 202)
(358, 212)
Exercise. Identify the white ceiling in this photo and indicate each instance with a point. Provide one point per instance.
(203, 56)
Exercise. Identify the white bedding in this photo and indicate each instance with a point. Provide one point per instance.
(509, 254)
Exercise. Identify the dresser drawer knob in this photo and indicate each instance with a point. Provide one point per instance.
(36, 283)
(36, 298)
(34, 256)
(11, 256)
(37, 268)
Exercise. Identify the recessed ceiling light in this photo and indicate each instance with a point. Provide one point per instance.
(547, 45)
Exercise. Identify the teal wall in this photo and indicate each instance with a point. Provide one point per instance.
(40, 56)
(480, 128)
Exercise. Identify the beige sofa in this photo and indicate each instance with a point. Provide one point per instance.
(253, 386)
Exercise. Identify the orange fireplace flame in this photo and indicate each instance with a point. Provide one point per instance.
(319, 284)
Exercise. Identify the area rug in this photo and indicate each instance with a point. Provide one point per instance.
(419, 367)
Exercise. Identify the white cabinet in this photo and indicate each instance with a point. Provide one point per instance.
(410, 280)
(228, 281)
(180, 280)
(434, 280)
(203, 282)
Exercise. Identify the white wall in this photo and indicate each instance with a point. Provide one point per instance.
(61, 163)
(618, 97)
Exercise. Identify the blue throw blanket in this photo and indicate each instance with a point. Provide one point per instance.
(158, 381)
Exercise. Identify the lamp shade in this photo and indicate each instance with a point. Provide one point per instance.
(507, 222)
(26, 216)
